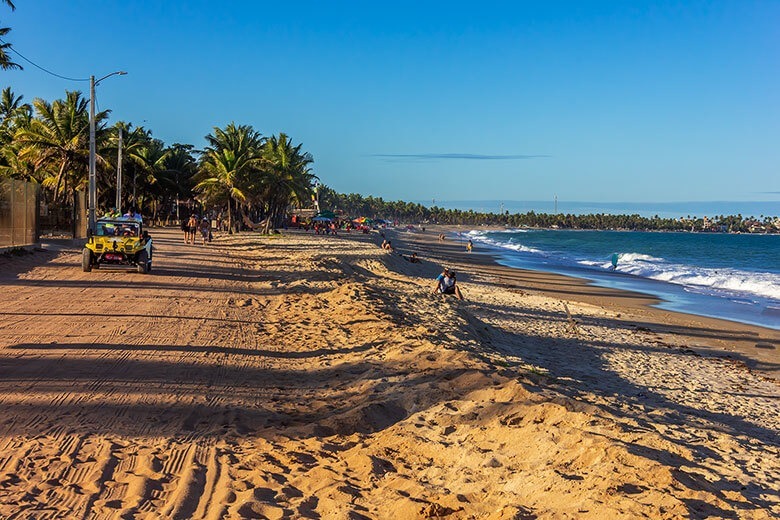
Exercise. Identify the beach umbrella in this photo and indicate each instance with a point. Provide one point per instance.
(326, 214)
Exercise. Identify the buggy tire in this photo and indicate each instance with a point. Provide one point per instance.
(143, 262)
(86, 260)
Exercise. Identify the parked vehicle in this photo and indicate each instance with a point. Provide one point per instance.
(118, 242)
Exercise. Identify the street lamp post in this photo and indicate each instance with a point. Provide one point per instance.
(119, 174)
(92, 179)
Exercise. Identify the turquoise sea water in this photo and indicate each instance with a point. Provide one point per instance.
(736, 277)
(645, 209)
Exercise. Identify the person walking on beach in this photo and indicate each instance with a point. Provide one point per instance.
(446, 284)
(185, 227)
(205, 229)
(469, 246)
(192, 228)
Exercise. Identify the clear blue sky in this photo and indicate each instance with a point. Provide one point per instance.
(592, 101)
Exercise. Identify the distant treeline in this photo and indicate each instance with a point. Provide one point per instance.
(357, 205)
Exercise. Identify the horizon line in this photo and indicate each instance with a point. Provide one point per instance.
(467, 156)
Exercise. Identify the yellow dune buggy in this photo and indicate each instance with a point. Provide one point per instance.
(118, 242)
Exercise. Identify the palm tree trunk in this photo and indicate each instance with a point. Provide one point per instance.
(230, 218)
(60, 178)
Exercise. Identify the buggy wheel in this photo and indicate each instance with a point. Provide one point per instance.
(86, 260)
(143, 262)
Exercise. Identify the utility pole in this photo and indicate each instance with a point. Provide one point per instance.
(92, 195)
(92, 174)
(119, 174)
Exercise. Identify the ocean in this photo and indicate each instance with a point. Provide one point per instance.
(729, 276)
(644, 209)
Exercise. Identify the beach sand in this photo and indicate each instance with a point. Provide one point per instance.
(317, 377)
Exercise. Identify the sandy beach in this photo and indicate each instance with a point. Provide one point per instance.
(305, 376)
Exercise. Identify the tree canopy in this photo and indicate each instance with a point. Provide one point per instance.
(240, 173)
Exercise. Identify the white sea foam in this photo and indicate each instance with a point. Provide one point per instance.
(510, 244)
(479, 233)
(637, 257)
(713, 280)
(726, 282)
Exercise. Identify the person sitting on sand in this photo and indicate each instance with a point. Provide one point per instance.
(446, 284)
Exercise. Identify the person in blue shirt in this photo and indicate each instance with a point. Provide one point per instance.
(446, 284)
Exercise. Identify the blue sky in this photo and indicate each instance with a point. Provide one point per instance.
(589, 101)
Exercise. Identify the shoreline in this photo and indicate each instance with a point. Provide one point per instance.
(756, 346)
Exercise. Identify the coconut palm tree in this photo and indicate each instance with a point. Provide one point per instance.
(134, 139)
(228, 165)
(151, 161)
(181, 167)
(13, 115)
(15, 163)
(287, 177)
(59, 137)
(11, 104)
(5, 61)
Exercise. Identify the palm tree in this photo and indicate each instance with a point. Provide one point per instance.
(13, 115)
(14, 163)
(134, 139)
(228, 164)
(11, 104)
(181, 167)
(288, 178)
(151, 161)
(5, 61)
(59, 138)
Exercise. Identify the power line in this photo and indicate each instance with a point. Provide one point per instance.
(38, 66)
